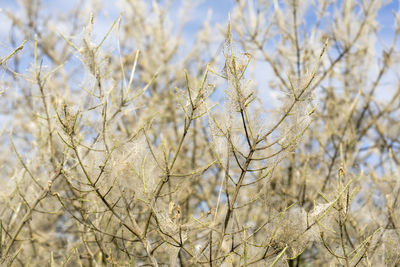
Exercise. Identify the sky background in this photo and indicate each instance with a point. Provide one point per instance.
(219, 9)
(220, 12)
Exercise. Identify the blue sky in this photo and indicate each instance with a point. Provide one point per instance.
(386, 19)
(220, 12)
